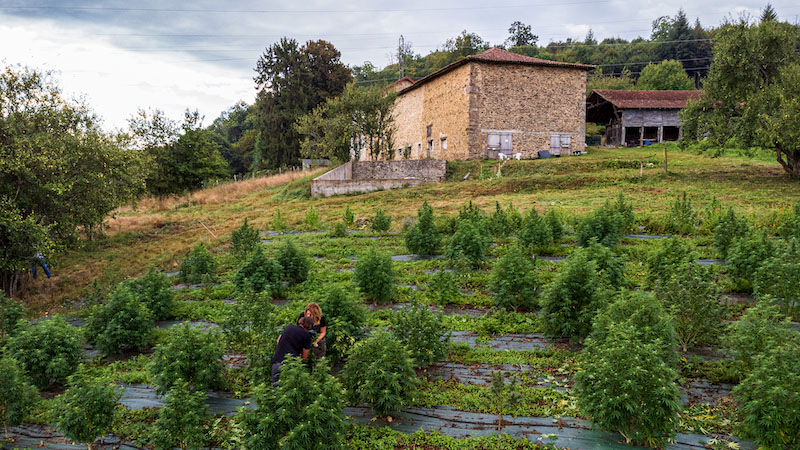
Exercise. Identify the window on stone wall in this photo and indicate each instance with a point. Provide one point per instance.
(430, 148)
(494, 140)
(419, 149)
(444, 142)
(429, 130)
(407, 152)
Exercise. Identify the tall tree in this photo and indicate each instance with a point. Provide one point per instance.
(664, 76)
(465, 44)
(520, 35)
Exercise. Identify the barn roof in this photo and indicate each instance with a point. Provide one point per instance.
(497, 56)
(647, 99)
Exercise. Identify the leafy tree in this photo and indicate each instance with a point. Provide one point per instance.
(520, 35)
(423, 238)
(154, 290)
(597, 80)
(760, 328)
(291, 80)
(381, 222)
(666, 259)
(693, 299)
(513, 282)
(58, 170)
(380, 372)
(668, 75)
(470, 242)
(571, 300)
(10, 314)
(682, 218)
(309, 411)
(626, 385)
(677, 42)
(294, 262)
(244, 240)
(199, 265)
(360, 118)
(17, 396)
(180, 420)
(602, 224)
(86, 410)
(422, 332)
(188, 354)
(465, 44)
(124, 323)
(770, 398)
(48, 352)
(729, 228)
(346, 317)
(535, 232)
(374, 276)
(236, 135)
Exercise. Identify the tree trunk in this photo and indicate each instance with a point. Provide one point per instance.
(791, 164)
(8, 282)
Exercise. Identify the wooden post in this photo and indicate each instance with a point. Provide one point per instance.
(641, 169)
(641, 136)
(665, 160)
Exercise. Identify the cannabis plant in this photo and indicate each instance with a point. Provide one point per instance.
(244, 240)
(374, 276)
(514, 284)
(423, 238)
(199, 264)
(124, 323)
(189, 354)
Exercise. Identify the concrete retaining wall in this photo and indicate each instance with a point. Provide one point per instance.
(368, 176)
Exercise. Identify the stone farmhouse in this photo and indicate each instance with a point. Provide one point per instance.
(491, 103)
(636, 118)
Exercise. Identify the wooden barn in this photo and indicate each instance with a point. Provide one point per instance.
(636, 118)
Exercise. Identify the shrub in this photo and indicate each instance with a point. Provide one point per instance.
(712, 215)
(310, 411)
(604, 225)
(10, 313)
(729, 228)
(443, 288)
(499, 224)
(610, 266)
(348, 218)
(86, 410)
(760, 328)
(681, 218)
(244, 240)
(48, 352)
(374, 276)
(17, 396)
(380, 372)
(311, 220)
(154, 290)
(471, 213)
(514, 284)
(626, 385)
(790, 229)
(346, 316)
(294, 262)
(278, 223)
(770, 399)
(181, 420)
(422, 238)
(252, 314)
(469, 242)
(666, 258)
(514, 217)
(625, 212)
(339, 230)
(748, 253)
(570, 302)
(504, 395)
(381, 222)
(555, 224)
(778, 278)
(187, 354)
(692, 297)
(198, 265)
(422, 332)
(259, 273)
(535, 233)
(123, 324)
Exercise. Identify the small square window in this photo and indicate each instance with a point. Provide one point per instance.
(444, 143)
(429, 130)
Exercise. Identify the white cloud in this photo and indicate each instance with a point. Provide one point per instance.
(115, 81)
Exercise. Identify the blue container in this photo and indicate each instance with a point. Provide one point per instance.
(647, 142)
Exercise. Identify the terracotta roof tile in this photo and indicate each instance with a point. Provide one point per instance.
(647, 99)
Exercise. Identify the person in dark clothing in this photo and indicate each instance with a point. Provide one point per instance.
(318, 330)
(296, 341)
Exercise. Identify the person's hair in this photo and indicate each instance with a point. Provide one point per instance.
(307, 322)
(316, 312)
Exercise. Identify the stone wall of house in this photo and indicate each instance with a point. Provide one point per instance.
(532, 103)
(407, 115)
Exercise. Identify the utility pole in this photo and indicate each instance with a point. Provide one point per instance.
(400, 48)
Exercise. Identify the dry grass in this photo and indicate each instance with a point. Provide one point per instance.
(223, 193)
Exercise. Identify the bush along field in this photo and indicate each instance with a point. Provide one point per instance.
(588, 302)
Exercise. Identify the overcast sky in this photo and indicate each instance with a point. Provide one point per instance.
(200, 55)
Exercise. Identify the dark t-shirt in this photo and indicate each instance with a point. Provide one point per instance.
(316, 328)
(294, 340)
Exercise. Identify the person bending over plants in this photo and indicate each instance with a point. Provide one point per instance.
(295, 340)
(318, 330)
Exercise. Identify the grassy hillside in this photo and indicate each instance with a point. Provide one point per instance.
(160, 232)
